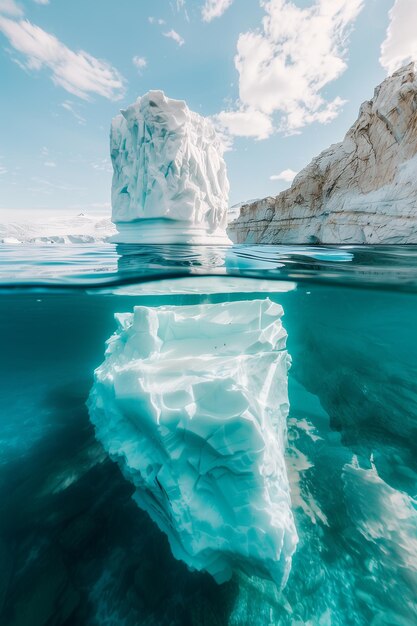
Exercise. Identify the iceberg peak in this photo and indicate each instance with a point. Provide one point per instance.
(170, 182)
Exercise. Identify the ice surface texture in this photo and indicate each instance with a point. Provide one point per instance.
(169, 183)
(192, 402)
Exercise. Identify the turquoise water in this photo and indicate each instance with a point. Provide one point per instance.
(74, 547)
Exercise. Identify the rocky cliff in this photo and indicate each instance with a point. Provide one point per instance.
(361, 190)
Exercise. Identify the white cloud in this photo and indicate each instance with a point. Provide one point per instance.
(78, 73)
(214, 8)
(284, 66)
(50, 164)
(139, 62)
(286, 175)
(154, 20)
(400, 44)
(11, 8)
(70, 106)
(172, 34)
(180, 6)
(245, 123)
(42, 1)
(3, 170)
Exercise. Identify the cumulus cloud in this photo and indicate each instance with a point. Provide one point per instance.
(284, 66)
(286, 175)
(245, 123)
(10, 7)
(172, 34)
(214, 8)
(139, 62)
(400, 44)
(79, 73)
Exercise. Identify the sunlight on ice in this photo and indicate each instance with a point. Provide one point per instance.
(170, 182)
(192, 402)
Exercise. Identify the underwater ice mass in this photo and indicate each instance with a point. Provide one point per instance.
(192, 403)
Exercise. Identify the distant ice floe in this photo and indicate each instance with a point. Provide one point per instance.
(192, 402)
(57, 230)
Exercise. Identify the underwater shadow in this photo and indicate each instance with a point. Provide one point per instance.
(75, 547)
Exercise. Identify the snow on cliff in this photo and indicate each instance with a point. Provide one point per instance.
(362, 190)
(169, 183)
(192, 402)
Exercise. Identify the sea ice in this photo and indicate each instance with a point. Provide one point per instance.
(52, 229)
(169, 183)
(192, 402)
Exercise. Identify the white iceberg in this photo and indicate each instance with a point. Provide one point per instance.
(170, 182)
(192, 402)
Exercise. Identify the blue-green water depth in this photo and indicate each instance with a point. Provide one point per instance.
(74, 547)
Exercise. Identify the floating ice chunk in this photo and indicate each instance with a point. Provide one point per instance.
(170, 183)
(10, 240)
(192, 402)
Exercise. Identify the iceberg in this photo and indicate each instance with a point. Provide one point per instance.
(192, 403)
(170, 182)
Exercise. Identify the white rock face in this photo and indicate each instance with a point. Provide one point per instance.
(234, 211)
(192, 402)
(170, 182)
(362, 190)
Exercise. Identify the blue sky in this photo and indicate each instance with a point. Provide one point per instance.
(282, 80)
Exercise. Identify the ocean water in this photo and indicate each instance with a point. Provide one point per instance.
(74, 547)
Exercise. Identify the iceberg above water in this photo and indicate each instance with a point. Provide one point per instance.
(170, 182)
(192, 403)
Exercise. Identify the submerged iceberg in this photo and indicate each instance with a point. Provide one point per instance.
(169, 183)
(192, 402)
